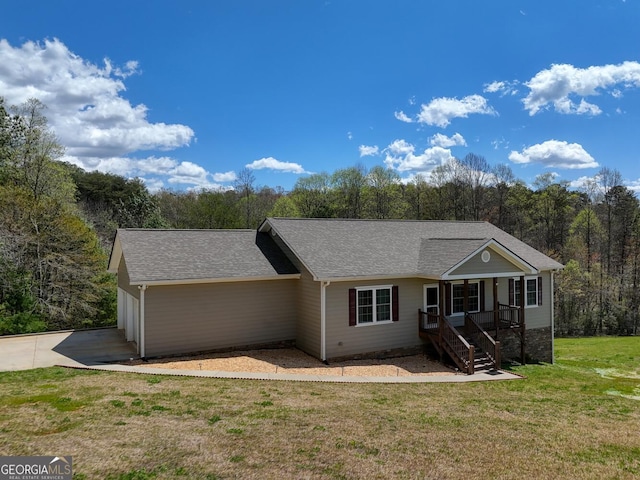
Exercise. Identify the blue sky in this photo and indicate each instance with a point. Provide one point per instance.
(185, 94)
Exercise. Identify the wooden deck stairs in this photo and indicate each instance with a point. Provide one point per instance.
(471, 347)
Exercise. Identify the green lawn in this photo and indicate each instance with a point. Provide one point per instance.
(579, 418)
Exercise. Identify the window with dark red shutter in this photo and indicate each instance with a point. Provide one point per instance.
(394, 303)
(375, 304)
(352, 308)
(539, 290)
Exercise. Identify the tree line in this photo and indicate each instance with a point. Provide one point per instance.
(57, 223)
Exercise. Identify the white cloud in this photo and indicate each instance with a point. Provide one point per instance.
(400, 156)
(189, 170)
(367, 151)
(493, 87)
(440, 140)
(400, 147)
(500, 143)
(503, 88)
(634, 185)
(579, 183)
(349, 135)
(273, 164)
(554, 153)
(556, 85)
(85, 108)
(402, 117)
(225, 177)
(153, 184)
(155, 170)
(442, 110)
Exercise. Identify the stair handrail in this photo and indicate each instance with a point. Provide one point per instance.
(461, 352)
(485, 341)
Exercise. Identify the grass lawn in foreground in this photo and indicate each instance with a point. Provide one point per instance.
(579, 418)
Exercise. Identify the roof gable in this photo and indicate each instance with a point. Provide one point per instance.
(490, 259)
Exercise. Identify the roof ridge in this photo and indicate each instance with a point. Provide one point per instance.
(458, 238)
(380, 220)
(235, 230)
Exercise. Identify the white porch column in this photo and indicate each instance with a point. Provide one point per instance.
(323, 320)
(121, 308)
(142, 289)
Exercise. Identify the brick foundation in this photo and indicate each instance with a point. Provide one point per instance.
(537, 345)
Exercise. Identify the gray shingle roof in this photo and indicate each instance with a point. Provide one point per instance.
(183, 255)
(334, 248)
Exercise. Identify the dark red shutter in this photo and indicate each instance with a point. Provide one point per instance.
(447, 300)
(539, 290)
(352, 307)
(512, 292)
(395, 314)
(481, 293)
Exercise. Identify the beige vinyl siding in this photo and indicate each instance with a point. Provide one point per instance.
(496, 265)
(343, 340)
(308, 321)
(123, 280)
(535, 317)
(201, 317)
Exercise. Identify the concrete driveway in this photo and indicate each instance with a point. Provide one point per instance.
(76, 348)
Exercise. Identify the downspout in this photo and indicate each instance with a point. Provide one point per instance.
(142, 289)
(323, 320)
(553, 316)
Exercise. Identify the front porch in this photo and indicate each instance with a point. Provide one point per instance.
(458, 324)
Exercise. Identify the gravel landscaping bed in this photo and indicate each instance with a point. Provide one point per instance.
(294, 361)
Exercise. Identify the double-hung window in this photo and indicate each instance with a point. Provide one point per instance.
(532, 291)
(373, 305)
(457, 297)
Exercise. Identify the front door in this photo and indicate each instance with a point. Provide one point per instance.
(431, 296)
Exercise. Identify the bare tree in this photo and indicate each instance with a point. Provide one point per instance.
(244, 185)
(503, 180)
(476, 175)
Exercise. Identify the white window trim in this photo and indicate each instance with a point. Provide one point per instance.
(517, 281)
(375, 321)
(459, 314)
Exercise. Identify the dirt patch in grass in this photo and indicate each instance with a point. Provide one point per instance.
(294, 361)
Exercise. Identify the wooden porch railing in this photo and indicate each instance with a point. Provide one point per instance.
(428, 321)
(509, 315)
(480, 336)
(449, 340)
(505, 317)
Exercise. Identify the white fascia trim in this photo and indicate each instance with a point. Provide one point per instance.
(433, 278)
(193, 281)
(486, 275)
(116, 255)
(503, 251)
